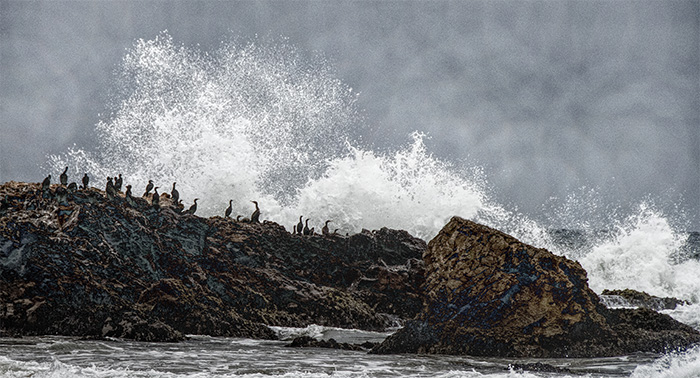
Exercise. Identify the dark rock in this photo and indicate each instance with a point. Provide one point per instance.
(310, 342)
(539, 367)
(302, 342)
(487, 294)
(130, 326)
(98, 267)
(641, 299)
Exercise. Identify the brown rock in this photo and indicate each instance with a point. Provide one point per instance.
(488, 294)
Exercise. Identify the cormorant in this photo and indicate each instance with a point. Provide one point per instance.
(64, 177)
(294, 230)
(86, 180)
(307, 231)
(118, 181)
(255, 218)
(229, 209)
(148, 188)
(325, 230)
(155, 199)
(61, 195)
(109, 190)
(72, 187)
(175, 194)
(46, 184)
(192, 208)
(128, 197)
(300, 225)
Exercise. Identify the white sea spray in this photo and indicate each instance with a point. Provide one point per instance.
(672, 365)
(643, 255)
(263, 122)
(251, 122)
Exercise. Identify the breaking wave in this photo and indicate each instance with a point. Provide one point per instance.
(266, 123)
(251, 122)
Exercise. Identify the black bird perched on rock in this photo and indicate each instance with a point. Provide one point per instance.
(229, 209)
(64, 177)
(109, 190)
(118, 181)
(192, 208)
(300, 225)
(307, 231)
(128, 197)
(61, 195)
(86, 181)
(148, 188)
(255, 218)
(155, 200)
(175, 194)
(46, 184)
(325, 230)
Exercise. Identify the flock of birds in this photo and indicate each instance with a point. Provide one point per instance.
(114, 186)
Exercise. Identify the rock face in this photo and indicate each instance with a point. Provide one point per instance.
(78, 263)
(487, 294)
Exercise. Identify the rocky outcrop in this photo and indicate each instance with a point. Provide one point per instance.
(487, 294)
(78, 263)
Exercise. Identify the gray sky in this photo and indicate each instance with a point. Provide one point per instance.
(547, 96)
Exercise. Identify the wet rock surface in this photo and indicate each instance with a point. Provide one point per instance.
(487, 294)
(538, 367)
(310, 342)
(78, 263)
(633, 298)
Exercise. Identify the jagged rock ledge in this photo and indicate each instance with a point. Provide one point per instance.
(488, 294)
(77, 263)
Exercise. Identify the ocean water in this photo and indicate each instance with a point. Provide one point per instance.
(264, 122)
(227, 357)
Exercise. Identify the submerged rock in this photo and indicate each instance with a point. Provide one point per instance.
(487, 294)
(310, 342)
(538, 367)
(99, 267)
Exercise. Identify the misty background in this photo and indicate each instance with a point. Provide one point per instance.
(549, 97)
